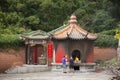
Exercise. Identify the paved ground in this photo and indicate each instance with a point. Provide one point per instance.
(57, 76)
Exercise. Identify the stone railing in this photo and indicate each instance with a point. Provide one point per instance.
(27, 69)
(82, 66)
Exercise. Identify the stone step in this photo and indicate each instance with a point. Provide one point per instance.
(28, 69)
(60, 69)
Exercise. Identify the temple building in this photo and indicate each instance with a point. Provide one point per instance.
(68, 40)
(35, 46)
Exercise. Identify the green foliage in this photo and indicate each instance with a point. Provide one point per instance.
(98, 16)
(111, 62)
(102, 21)
(10, 41)
(55, 12)
(106, 41)
(94, 18)
(32, 21)
(115, 9)
(108, 32)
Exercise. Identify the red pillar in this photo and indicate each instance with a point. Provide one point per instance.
(90, 58)
(35, 54)
(50, 53)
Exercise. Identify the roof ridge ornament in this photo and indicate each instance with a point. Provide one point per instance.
(73, 19)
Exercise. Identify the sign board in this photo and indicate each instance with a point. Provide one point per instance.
(36, 42)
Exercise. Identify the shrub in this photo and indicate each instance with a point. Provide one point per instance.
(106, 41)
(10, 41)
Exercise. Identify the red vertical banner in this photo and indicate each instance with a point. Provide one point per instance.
(50, 50)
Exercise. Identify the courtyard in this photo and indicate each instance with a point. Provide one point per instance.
(50, 75)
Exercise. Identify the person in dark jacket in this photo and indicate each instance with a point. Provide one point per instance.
(71, 65)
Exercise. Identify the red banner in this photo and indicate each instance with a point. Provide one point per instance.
(50, 50)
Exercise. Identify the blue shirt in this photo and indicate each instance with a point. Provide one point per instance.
(64, 61)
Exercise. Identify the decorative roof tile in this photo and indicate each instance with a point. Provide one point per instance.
(73, 31)
(39, 34)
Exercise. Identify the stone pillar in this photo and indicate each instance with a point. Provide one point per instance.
(118, 49)
(45, 52)
(35, 54)
(53, 55)
(28, 54)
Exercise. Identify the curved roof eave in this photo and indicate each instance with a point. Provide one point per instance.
(39, 34)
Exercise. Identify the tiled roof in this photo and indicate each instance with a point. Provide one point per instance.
(39, 34)
(73, 31)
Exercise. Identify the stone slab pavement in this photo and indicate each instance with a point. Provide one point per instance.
(50, 75)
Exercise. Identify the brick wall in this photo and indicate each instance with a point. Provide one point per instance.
(11, 58)
(104, 53)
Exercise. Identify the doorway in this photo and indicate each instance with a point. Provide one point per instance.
(76, 53)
